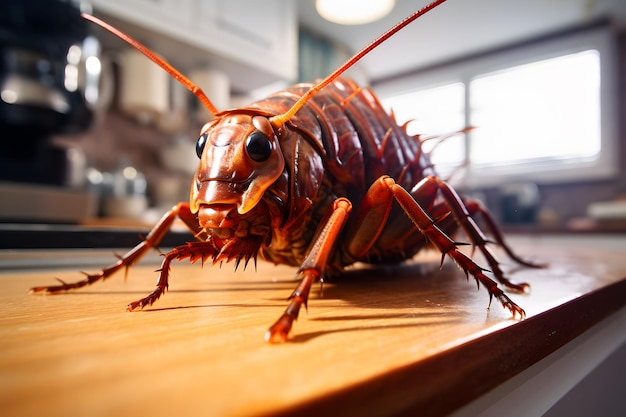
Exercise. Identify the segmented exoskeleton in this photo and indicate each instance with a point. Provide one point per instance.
(318, 176)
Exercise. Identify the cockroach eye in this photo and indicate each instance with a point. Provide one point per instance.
(200, 144)
(258, 146)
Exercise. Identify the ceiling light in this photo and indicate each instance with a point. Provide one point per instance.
(353, 12)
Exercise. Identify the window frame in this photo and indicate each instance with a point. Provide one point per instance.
(599, 37)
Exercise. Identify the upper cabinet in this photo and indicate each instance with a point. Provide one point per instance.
(254, 42)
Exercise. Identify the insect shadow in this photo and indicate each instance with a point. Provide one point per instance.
(406, 293)
(306, 337)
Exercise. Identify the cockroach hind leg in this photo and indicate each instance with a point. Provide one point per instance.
(516, 310)
(509, 304)
(516, 287)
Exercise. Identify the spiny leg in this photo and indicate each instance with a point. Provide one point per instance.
(192, 250)
(476, 207)
(155, 236)
(427, 226)
(279, 331)
(463, 216)
(450, 225)
(311, 270)
(235, 250)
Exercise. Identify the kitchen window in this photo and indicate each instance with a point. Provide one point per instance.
(544, 112)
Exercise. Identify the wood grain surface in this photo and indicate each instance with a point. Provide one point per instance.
(376, 342)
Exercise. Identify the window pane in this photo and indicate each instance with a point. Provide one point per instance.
(434, 111)
(545, 110)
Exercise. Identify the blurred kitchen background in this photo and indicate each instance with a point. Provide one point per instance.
(94, 134)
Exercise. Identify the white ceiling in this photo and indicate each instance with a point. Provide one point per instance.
(458, 28)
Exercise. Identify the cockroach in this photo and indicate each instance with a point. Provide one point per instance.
(318, 176)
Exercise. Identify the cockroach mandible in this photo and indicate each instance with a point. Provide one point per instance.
(308, 177)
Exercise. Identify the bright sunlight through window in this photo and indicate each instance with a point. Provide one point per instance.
(543, 112)
(539, 112)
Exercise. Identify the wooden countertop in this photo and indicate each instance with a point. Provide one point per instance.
(378, 342)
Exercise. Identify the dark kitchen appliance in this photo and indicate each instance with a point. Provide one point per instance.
(48, 76)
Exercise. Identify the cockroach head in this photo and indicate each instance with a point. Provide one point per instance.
(240, 158)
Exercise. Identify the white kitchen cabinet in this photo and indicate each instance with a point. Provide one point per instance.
(254, 42)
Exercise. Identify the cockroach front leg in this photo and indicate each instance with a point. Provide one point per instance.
(193, 251)
(311, 270)
(155, 236)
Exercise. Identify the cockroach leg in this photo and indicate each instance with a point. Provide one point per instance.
(134, 255)
(311, 270)
(123, 262)
(464, 218)
(191, 250)
(279, 331)
(447, 246)
(386, 189)
(475, 207)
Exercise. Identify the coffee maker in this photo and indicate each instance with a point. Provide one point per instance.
(49, 73)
